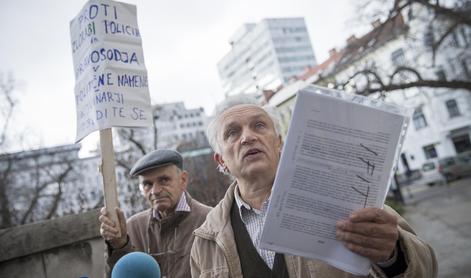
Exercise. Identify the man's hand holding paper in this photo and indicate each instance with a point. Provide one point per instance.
(370, 232)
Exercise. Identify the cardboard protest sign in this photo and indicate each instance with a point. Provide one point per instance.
(111, 79)
(111, 86)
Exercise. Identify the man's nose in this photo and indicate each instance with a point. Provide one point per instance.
(156, 188)
(247, 137)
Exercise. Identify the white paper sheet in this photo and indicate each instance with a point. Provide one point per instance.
(337, 158)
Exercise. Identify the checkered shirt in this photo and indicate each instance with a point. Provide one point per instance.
(254, 220)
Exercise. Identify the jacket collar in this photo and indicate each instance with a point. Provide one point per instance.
(218, 228)
(218, 219)
(178, 214)
(182, 205)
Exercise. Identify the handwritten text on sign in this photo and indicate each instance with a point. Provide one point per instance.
(111, 79)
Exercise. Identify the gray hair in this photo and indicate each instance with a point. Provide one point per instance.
(229, 102)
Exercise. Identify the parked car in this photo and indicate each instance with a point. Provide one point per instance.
(412, 177)
(430, 174)
(455, 167)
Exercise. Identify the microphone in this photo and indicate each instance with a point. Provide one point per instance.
(136, 265)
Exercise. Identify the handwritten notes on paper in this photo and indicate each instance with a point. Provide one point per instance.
(338, 157)
(111, 79)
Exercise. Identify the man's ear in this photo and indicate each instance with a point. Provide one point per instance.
(141, 187)
(280, 147)
(218, 158)
(184, 179)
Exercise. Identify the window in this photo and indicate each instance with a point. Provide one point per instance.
(410, 13)
(428, 37)
(464, 65)
(419, 119)
(430, 151)
(397, 57)
(429, 166)
(440, 73)
(464, 36)
(452, 108)
(461, 143)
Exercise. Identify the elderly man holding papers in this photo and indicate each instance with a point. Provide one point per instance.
(247, 145)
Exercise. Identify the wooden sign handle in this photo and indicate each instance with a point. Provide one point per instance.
(109, 175)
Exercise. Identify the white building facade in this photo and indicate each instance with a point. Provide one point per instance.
(175, 123)
(266, 55)
(441, 121)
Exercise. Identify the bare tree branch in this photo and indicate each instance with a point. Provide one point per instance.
(402, 69)
(452, 84)
(462, 16)
(57, 197)
(7, 88)
(439, 42)
(446, 18)
(123, 164)
(128, 134)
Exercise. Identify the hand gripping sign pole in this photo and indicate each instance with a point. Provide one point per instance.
(110, 80)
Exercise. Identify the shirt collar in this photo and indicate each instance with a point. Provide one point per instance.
(242, 204)
(181, 206)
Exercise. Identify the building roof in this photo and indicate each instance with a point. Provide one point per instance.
(357, 48)
(70, 148)
(334, 57)
(381, 34)
(286, 93)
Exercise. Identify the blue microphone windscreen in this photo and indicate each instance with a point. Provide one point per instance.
(136, 265)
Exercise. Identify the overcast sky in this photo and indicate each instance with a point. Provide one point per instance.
(182, 41)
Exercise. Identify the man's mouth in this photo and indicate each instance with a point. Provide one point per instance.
(252, 152)
(159, 198)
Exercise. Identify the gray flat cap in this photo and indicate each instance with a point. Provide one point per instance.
(155, 159)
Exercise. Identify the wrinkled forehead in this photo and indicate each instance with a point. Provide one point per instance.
(240, 113)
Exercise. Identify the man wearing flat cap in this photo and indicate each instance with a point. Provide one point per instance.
(165, 230)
